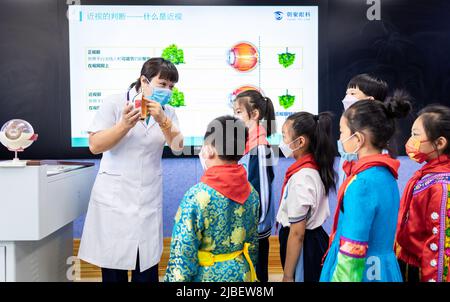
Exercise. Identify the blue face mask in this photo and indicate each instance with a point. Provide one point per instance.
(161, 95)
(344, 155)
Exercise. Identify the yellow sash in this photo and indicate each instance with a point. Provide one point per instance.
(208, 259)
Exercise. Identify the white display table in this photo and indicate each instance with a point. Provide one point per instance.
(38, 204)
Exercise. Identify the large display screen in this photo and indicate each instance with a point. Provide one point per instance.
(219, 51)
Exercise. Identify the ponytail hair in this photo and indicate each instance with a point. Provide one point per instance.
(377, 118)
(318, 130)
(254, 100)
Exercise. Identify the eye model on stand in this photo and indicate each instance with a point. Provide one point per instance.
(16, 135)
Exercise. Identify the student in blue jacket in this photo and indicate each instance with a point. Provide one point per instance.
(258, 114)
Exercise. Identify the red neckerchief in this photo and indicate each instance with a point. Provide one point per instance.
(306, 161)
(229, 180)
(378, 160)
(440, 164)
(256, 136)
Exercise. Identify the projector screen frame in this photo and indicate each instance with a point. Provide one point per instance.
(192, 151)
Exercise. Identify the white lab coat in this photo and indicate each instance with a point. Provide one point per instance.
(125, 209)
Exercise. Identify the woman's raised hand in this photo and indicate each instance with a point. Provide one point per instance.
(130, 116)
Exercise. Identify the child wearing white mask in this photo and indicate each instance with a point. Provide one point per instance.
(360, 87)
(215, 235)
(304, 201)
(258, 114)
(364, 86)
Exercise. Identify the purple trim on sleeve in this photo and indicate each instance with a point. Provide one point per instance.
(442, 230)
(426, 182)
(355, 241)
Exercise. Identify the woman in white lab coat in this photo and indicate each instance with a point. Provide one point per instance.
(123, 227)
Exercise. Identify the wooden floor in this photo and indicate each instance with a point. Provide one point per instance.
(91, 272)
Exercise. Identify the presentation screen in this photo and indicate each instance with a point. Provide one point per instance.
(219, 52)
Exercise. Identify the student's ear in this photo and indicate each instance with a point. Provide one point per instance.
(255, 115)
(300, 143)
(371, 98)
(361, 139)
(441, 144)
(303, 141)
(143, 80)
(209, 151)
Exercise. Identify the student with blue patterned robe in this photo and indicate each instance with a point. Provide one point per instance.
(215, 236)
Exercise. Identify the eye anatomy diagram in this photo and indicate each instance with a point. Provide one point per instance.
(245, 88)
(243, 57)
(232, 96)
(235, 92)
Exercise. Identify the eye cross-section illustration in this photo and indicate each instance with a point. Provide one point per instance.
(243, 56)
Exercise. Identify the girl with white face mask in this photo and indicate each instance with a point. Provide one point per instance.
(258, 114)
(360, 87)
(304, 201)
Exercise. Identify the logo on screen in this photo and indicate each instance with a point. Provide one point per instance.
(278, 15)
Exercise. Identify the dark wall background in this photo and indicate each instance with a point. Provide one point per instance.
(409, 48)
(34, 72)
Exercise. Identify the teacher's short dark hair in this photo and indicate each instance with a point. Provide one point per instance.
(228, 135)
(157, 66)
